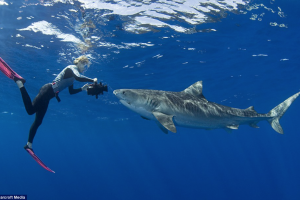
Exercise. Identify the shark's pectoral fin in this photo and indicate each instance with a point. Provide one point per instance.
(162, 128)
(165, 120)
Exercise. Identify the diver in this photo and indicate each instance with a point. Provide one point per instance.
(63, 80)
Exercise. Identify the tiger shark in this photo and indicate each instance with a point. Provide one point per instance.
(189, 108)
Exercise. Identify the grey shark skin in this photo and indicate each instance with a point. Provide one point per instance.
(190, 108)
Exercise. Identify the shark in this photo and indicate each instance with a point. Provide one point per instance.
(189, 108)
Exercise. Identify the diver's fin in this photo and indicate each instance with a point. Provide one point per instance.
(37, 159)
(277, 112)
(165, 120)
(9, 72)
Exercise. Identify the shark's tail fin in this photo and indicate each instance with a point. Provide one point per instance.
(277, 112)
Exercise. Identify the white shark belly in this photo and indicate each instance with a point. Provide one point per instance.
(214, 122)
(201, 123)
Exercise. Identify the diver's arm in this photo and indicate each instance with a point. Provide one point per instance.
(83, 79)
(74, 91)
(78, 77)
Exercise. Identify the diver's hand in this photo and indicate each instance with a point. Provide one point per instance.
(95, 80)
(85, 87)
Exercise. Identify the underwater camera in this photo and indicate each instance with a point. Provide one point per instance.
(96, 89)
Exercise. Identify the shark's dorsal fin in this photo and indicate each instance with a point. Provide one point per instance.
(195, 90)
(165, 120)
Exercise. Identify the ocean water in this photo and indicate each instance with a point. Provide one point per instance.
(245, 52)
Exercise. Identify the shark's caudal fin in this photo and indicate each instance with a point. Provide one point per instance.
(279, 111)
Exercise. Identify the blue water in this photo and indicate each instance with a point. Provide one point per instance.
(99, 149)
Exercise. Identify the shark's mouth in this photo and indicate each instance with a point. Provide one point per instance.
(124, 102)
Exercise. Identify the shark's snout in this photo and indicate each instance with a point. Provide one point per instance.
(118, 93)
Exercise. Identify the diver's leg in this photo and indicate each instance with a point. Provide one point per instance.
(40, 105)
(27, 101)
(26, 98)
(39, 116)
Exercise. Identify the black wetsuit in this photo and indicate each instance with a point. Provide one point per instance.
(46, 93)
